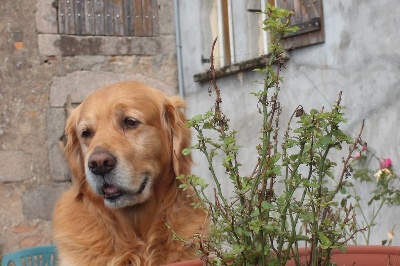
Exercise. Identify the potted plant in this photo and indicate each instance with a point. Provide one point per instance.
(295, 208)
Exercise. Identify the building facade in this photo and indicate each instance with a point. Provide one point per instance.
(357, 54)
(54, 53)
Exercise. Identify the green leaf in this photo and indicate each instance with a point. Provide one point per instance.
(255, 225)
(207, 126)
(275, 157)
(265, 206)
(183, 187)
(342, 249)
(180, 177)
(186, 151)
(197, 118)
(325, 242)
(343, 202)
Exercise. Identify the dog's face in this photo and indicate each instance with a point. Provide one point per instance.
(123, 140)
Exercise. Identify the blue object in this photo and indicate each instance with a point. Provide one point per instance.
(35, 256)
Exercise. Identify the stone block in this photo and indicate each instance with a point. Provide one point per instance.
(46, 17)
(15, 166)
(26, 234)
(70, 45)
(31, 241)
(59, 170)
(11, 204)
(48, 44)
(56, 118)
(39, 202)
(166, 17)
(55, 124)
(131, 46)
(80, 84)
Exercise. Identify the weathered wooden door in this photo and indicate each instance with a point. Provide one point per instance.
(108, 17)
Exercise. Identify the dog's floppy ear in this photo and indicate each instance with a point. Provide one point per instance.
(180, 135)
(72, 150)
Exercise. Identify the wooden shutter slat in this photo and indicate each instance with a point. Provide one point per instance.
(154, 17)
(149, 17)
(147, 25)
(138, 18)
(61, 16)
(312, 9)
(119, 28)
(89, 17)
(98, 17)
(128, 17)
(70, 17)
(108, 17)
(290, 5)
(79, 17)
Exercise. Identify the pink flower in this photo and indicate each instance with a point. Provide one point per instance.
(364, 147)
(385, 163)
(357, 156)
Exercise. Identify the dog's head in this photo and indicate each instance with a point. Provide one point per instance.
(125, 140)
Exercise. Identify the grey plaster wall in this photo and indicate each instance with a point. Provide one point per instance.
(360, 57)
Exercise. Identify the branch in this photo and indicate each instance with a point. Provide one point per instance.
(218, 100)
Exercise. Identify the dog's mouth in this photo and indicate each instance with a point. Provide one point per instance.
(112, 192)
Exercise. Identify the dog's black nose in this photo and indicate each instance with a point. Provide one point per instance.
(101, 162)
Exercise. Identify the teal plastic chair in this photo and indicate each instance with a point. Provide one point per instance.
(36, 256)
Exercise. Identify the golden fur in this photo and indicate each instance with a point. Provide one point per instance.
(144, 131)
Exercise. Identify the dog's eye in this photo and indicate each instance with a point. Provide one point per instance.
(130, 122)
(86, 134)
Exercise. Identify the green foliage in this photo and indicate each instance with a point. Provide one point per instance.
(291, 198)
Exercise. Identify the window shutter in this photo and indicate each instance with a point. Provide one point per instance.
(108, 17)
(308, 16)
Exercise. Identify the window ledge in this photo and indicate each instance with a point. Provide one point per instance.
(232, 69)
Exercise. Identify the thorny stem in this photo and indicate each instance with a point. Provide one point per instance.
(222, 121)
(346, 163)
(262, 166)
(222, 127)
(203, 149)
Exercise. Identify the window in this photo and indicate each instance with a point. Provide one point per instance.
(108, 17)
(308, 16)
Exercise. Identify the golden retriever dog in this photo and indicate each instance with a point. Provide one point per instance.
(124, 148)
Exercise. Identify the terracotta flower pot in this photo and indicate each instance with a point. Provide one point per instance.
(355, 255)
(360, 255)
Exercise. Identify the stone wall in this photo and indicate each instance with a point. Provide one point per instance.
(38, 69)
